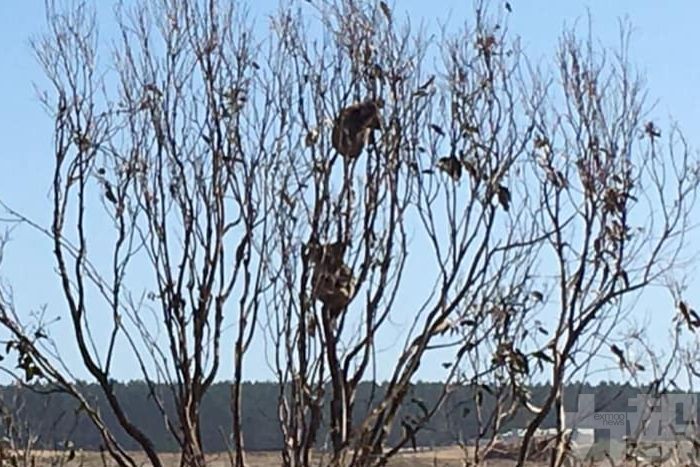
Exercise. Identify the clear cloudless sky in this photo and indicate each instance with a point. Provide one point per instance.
(663, 47)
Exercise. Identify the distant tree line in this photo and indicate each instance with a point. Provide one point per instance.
(55, 419)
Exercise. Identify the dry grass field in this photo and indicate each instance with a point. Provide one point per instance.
(442, 457)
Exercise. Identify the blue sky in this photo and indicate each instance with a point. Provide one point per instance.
(663, 34)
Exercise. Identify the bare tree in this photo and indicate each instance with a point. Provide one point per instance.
(617, 195)
(156, 204)
(443, 156)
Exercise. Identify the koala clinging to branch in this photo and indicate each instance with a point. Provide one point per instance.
(353, 126)
(332, 280)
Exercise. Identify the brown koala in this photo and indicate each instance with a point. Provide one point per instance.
(334, 288)
(332, 280)
(353, 126)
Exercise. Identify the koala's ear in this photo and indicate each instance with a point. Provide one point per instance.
(311, 250)
(337, 251)
(368, 117)
(368, 114)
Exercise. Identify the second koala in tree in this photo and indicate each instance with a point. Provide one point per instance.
(332, 280)
(334, 287)
(354, 125)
